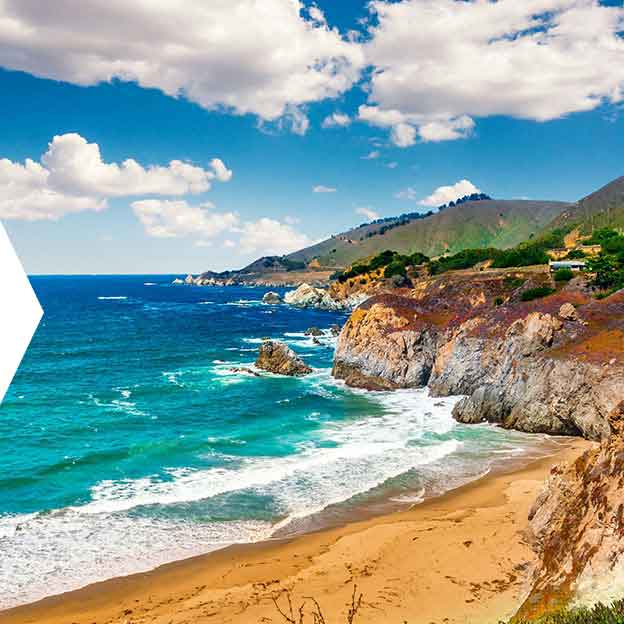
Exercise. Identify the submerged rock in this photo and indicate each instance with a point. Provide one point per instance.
(271, 298)
(276, 357)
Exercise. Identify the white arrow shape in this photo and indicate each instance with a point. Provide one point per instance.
(20, 312)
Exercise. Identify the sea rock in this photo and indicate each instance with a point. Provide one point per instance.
(313, 331)
(189, 279)
(245, 370)
(177, 280)
(334, 329)
(577, 529)
(271, 298)
(304, 296)
(276, 357)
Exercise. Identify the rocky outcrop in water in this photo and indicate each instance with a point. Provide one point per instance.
(306, 296)
(577, 529)
(271, 298)
(554, 365)
(278, 358)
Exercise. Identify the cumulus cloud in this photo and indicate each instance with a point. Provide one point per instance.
(320, 188)
(336, 120)
(445, 194)
(266, 58)
(202, 223)
(271, 237)
(439, 63)
(367, 212)
(72, 177)
(165, 218)
(403, 135)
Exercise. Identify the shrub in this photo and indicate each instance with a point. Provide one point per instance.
(465, 259)
(598, 614)
(498, 301)
(575, 254)
(536, 293)
(563, 275)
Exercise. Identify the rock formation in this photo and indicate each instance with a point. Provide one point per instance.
(278, 358)
(272, 298)
(577, 529)
(553, 365)
(313, 331)
(306, 296)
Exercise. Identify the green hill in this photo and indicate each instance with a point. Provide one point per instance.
(603, 208)
(485, 223)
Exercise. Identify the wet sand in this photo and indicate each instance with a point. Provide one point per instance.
(458, 558)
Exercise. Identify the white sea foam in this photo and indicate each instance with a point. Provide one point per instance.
(61, 551)
(115, 298)
(114, 533)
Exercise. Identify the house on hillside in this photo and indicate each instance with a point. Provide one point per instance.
(573, 265)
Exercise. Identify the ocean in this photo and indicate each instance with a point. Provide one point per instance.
(127, 439)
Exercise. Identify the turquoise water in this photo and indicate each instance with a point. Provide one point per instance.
(127, 441)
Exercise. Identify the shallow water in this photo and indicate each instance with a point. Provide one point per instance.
(128, 441)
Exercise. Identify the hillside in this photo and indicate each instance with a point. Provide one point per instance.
(603, 208)
(486, 223)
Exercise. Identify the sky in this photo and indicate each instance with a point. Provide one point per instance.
(189, 136)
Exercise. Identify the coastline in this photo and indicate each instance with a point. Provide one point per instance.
(481, 521)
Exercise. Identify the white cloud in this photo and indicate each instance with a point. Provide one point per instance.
(320, 188)
(266, 58)
(336, 120)
(367, 212)
(447, 130)
(372, 155)
(403, 135)
(409, 193)
(392, 165)
(271, 237)
(72, 177)
(165, 218)
(445, 194)
(222, 173)
(439, 63)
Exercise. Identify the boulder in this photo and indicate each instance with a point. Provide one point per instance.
(313, 331)
(278, 358)
(304, 296)
(568, 312)
(271, 298)
(335, 330)
(189, 279)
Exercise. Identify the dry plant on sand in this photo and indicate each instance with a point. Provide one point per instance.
(290, 615)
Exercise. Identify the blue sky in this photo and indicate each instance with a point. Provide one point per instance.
(508, 134)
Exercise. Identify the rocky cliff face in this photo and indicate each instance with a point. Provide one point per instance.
(577, 529)
(553, 365)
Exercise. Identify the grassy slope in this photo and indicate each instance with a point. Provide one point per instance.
(603, 208)
(489, 223)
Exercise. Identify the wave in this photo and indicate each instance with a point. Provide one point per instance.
(112, 298)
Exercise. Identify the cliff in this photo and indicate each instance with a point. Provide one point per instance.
(577, 529)
(552, 365)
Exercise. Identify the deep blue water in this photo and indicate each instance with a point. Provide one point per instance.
(128, 441)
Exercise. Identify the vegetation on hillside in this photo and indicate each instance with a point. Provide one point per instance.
(392, 262)
(473, 224)
(599, 614)
(525, 254)
(608, 266)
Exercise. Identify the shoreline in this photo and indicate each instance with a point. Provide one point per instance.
(479, 521)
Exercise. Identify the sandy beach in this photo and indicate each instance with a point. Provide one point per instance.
(461, 557)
